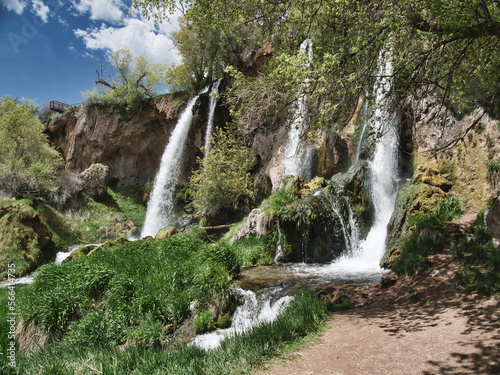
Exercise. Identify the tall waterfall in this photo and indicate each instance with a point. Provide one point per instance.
(161, 203)
(383, 179)
(211, 113)
(292, 153)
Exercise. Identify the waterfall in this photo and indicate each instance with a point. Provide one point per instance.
(383, 174)
(280, 255)
(292, 153)
(256, 308)
(350, 231)
(211, 113)
(161, 203)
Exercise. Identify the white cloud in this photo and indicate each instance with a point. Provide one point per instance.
(105, 10)
(136, 35)
(16, 6)
(41, 10)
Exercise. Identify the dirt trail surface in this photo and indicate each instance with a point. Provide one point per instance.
(414, 327)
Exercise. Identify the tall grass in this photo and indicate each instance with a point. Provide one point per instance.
(237, 355)
(129, 201)
(120, 292)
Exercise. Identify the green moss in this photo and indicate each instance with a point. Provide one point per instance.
(204, 322)
(224, 321)
(25, 239)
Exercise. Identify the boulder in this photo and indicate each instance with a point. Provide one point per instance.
(258, 223)
(412, 199)
(166, 232)
(311, 231)
(94, 181)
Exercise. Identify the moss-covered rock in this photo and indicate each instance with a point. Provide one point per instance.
(351, 185)
(431, 176)
(80, 253)
(413, 199)
(166, 232)
(25, 240)
(311, 231)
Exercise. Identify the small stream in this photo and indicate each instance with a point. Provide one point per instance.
(60, 257)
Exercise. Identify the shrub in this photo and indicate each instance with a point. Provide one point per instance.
(223, 182)
(27, 162)
(448, 208)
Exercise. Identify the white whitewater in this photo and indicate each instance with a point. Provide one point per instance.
(211, 112)
(62, 255)
(257, 308)
(362, 261)
(292, 152)
(279, 255)
(161, 203)
(383, 181)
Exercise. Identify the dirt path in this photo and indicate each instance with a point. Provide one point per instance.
(455, 339)
(417, 326)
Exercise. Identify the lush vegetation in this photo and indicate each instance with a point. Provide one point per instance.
(137, 80)
(119, 294)
(426, 236)
(223, 182)
(27, 162)
(447, 49)
(33, 230)
(237, 355)
(481, 259)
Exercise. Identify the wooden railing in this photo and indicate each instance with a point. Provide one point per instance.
(60, 106)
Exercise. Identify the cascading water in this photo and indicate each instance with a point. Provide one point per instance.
(161, 203)
(211, 113)
(255, 309)
(349, 231)
(383, 181)
(361, 263)
(280, 255)
(292, 155)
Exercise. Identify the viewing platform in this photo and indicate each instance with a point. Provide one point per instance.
(60, 106)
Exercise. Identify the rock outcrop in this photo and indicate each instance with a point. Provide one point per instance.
(130, 143)
(258, 223)
(25, 240)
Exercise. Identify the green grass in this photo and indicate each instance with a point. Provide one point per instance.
(108, 297)
(238, 355)
(492, 167)
(254, 250)
(422, 240)
(129, 200)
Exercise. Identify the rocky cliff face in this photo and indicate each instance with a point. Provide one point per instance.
(449, 158)
(129, 143)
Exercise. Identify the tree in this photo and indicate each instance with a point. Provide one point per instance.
(137, 79)
(27, 162)
(223, 182)
(444, 48)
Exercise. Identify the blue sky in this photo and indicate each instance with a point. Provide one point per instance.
(50, 49)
